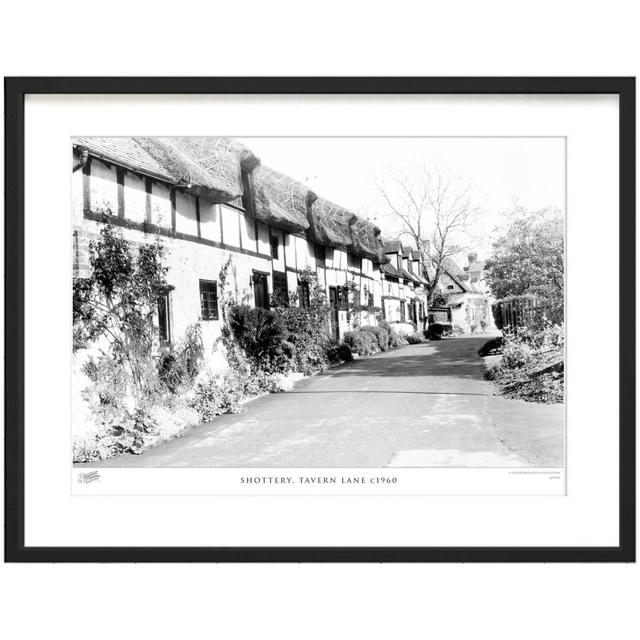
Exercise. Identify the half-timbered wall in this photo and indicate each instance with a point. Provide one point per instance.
(199, 238)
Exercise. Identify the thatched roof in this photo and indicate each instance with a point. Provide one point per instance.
(211, 167)
(334, 226)
(279, 200)
(125, 152)
(207, 167)
(366, 240)
(330, 223)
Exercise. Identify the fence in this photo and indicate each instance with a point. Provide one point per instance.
(512, 314)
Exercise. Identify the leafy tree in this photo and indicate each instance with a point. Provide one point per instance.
(117, 303)
(528, 256)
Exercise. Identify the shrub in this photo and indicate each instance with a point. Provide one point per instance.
(339, 353)
(396, 339)
(180, 365)
(415, 338)
(344, 352)
(263, 336)
(109, 380)
(307, 332)
(117, 303)
(306, 320)
(217, 395)
(516, 353)
(381, 334)
(492, 371)
(119, 431)
(532, 365)
(362, 342)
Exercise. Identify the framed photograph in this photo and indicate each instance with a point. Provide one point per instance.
(320, 319)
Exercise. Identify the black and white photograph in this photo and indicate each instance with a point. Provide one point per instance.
(363, 324)
(318, 302)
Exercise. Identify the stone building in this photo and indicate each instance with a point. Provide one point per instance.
(209, 199)
(467, 294)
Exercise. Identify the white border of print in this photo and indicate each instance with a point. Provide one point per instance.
(54, 517)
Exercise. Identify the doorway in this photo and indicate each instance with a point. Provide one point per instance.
(334, 304)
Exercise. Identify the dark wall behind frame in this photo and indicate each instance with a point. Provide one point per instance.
(15, 91)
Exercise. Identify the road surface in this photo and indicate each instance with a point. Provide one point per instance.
(421, 405)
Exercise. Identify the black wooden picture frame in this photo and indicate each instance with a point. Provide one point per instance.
(15, 91)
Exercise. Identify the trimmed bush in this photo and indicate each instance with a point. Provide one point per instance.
(344, 352)
(362, 342)
(396, 339)
(339, 353)
(415, 338)
(381, 334)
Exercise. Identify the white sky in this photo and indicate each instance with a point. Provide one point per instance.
(500, 169)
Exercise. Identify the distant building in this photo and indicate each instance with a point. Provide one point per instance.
(404, 289)
(467, 294)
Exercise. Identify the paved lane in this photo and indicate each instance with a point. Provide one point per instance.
(421, 405)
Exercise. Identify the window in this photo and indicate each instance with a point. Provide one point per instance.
(273, 242)
(403, 312)
(164, 324)
(260, 290)
(208, 300)
(449, 286)
(354, 262)
(370, 303)
(321, 255)
(303, 293)
(343, 298)
(280, 290)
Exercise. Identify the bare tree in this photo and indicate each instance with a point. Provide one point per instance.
(433, 208)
